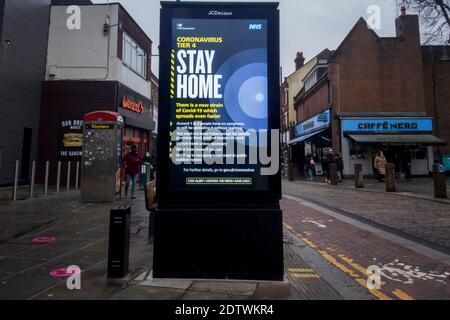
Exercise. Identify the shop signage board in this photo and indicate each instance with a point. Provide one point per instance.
(388, 125)
(70, 140)
(135, 108)
(219, 81)
(316, 123)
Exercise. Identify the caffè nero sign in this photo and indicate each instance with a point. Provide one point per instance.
(388, 125)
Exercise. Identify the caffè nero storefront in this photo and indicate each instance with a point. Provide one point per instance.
(406, 142)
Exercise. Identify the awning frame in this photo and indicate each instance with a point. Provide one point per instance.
(425, 139)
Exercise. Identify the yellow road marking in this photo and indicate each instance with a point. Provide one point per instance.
(288, 226)
(297, 270)
(401, 295)
(375, 292)
(306, 275)
(308, 242)
(358, 267)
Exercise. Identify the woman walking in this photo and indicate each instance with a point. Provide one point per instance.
(380, 166)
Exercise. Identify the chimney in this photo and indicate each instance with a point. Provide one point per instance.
(299, 61)
(407, 27)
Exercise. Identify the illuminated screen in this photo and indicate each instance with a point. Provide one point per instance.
(218, 104)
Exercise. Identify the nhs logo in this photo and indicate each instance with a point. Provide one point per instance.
(255, 26)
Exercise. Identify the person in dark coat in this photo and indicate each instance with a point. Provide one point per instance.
(340, 166)
(406, 163)
(132, 164)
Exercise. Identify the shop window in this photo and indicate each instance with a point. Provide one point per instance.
(356, 150)
(134, 57)
(419, 153)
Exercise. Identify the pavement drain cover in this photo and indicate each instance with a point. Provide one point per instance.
(44, 239)
(63, 273)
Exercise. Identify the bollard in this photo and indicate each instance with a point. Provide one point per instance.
(68, 175)
(47, 169)
(359, 176)
(33, 178)
(291, 176)
(58, 176)
(119, 242)
(439, 181)
(16, 181)
(333, 174)
(151, 225)
(390, 178)
(77, 173)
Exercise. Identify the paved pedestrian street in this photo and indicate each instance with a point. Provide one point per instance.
(332, 249)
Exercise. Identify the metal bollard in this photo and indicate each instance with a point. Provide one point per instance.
(47, 169)
(359, 177)
(390, 178)
(77, 173)
(16, 180)
(119, 242)
(439, 181)
(333, 174)
(58, 176)
(68, 175)
(33, 178)
(291, 169)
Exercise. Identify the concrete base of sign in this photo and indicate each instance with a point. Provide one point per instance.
(219, 244)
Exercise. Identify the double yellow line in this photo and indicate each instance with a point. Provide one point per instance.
(354, 271)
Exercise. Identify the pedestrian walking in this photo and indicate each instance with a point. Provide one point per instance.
(132, 164)
(380, 166)
(326, 167)
(340, 167)
(406, 163)
(310, 167)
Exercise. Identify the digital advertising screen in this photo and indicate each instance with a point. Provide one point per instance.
(219, 118)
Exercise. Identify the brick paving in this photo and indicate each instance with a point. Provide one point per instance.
(81, 232)
(406, 274)
(428, 220)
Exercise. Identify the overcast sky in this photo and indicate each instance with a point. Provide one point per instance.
(306, 25)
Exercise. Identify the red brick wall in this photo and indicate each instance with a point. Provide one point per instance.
(440, 106)
(315, 102)
(372, 74)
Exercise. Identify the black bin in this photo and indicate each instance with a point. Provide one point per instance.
(119, 242)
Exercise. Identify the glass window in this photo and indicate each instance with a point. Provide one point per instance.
(357, 151)
(134, 57)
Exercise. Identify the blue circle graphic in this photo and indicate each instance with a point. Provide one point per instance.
(253, 97)
(245, 93)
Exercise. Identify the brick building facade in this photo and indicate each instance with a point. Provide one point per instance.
(388, 94)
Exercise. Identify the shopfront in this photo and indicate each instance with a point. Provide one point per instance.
(64, 104)
(406, 142)
(312, 137)
(137, 112)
